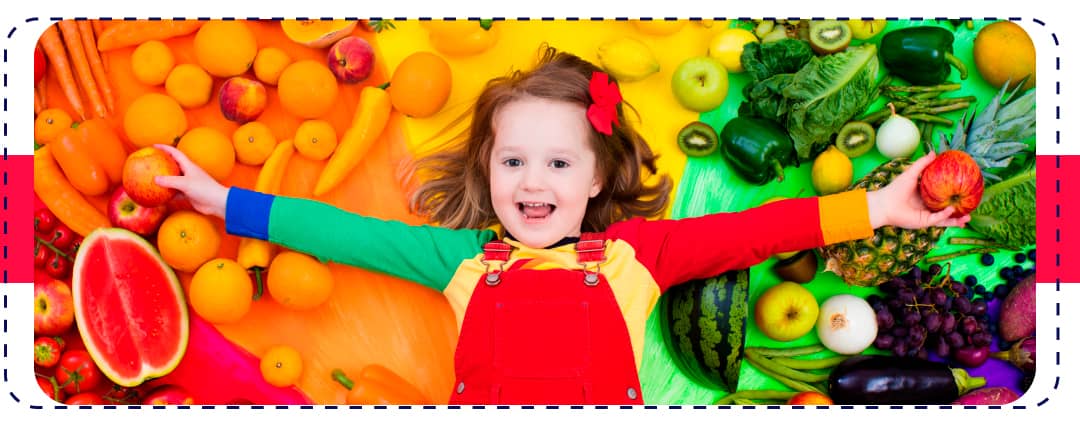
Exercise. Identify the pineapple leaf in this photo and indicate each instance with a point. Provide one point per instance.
(1006, 149)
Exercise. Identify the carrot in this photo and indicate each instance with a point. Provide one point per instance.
(99, 27)
(57, 54)
(86, 30)
(70, 31)
(132, 33)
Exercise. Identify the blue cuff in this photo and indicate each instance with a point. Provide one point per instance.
(247, 213)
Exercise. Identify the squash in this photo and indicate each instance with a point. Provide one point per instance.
(317, 33)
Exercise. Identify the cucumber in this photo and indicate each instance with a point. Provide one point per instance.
(704, 327)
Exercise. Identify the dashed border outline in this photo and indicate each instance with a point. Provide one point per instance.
(1057, 239)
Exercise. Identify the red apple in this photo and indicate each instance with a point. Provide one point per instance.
(810, 398)
(242, 100)
(126, 213)
(54, 309)
(168, 395)
(351, 59)
(140, 169)
(952, 179)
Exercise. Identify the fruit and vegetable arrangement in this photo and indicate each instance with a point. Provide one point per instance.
(139, 296)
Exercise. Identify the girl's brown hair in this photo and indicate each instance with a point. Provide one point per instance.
(456, 194)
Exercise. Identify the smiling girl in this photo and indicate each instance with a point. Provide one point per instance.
(549, 245)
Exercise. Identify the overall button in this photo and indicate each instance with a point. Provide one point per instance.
(630, 393)
(460, 387)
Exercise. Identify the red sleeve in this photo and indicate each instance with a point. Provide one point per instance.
(677, 251)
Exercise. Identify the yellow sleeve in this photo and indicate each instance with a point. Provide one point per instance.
(844, 216)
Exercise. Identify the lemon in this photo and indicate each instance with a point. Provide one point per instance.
(832, 172)
(627, 59)
(727, 47)
(866, 29)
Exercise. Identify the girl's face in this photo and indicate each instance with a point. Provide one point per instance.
(543, 171)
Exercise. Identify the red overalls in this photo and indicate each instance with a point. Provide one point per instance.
(544, 336)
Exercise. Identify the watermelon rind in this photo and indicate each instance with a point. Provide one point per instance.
(705, 327)
(95, 351)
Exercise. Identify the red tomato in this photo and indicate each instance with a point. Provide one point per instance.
(39, 64)
(44, 222)
(42, 255)
(62, 237)
(46, 351)
(86, 398)
(58, 267)
(50, 389)
(77, 372)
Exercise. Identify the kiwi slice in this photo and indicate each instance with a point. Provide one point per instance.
(855, 139)
(698, 139)
(827, 37)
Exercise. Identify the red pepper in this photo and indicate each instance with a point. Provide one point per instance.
(39, 64)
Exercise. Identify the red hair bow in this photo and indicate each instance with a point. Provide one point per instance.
(605, 96)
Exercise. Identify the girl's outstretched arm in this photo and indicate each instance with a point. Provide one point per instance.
(424, 254)
(680, 250)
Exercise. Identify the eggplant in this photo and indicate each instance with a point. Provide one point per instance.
(892, 380)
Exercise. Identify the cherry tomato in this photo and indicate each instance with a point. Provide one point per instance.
(44, 222)
(122, 395)
(62, 237)
(74, 248)
(58, 267)
(86, 398)
(42, 255)
(50, 389)
(39, 64)
(77, 372)
(46, 351)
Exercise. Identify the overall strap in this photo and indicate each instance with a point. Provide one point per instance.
(590, 251)
(498, 252)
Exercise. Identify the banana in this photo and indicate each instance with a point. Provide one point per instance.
(627, 59)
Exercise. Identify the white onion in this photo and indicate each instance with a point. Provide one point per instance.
(897, 137)
(846, 324)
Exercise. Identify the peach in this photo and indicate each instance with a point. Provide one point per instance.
(351, 59)
(242, 100)
(140, 169)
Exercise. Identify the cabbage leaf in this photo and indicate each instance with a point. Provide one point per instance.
(1007, 211)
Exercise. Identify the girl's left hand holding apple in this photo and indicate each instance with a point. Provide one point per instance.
(206, 195)
(899, 203)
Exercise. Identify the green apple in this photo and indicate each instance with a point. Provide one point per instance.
(700, 83)
(786, 311)
(786, 254)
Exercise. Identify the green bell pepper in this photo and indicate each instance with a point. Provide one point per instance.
(921, 55)
(758, 149)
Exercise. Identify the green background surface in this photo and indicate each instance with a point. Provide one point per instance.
(709, 185)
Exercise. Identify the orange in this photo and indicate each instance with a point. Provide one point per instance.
(187, 239)
(151, 62)
(221, 291)
(49, 123)
(189, 85)
(1004, 52)
(420, 85)
(154, 118)
(298, 281)
(210, 149)
(225, 48)
(281, 366)
(253, 141)
(307, 89)
(269, 63)
(315, 139)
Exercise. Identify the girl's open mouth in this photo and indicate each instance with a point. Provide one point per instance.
(535, 211)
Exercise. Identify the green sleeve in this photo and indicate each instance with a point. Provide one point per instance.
(424, 254)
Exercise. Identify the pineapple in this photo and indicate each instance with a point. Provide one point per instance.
(890, 252)
(994, 137)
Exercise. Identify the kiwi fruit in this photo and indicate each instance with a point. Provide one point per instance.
(698, 139)
(855, 139)
(827, 37)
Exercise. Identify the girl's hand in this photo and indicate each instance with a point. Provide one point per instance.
(206, 195)
(899, 203)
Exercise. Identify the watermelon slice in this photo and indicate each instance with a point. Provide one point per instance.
(129, 307)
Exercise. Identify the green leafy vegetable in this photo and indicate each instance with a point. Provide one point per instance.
(1005, 213)
(818, 99)
(763, 60)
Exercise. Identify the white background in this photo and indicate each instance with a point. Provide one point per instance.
(1058, 378)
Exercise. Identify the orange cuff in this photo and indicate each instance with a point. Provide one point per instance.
(844, 216)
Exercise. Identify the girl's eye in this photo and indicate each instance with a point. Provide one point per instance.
(559, 164)
(512, 162)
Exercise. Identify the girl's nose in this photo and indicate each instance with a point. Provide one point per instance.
(533, 179)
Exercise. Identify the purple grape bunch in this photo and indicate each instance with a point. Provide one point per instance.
(924, 311)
